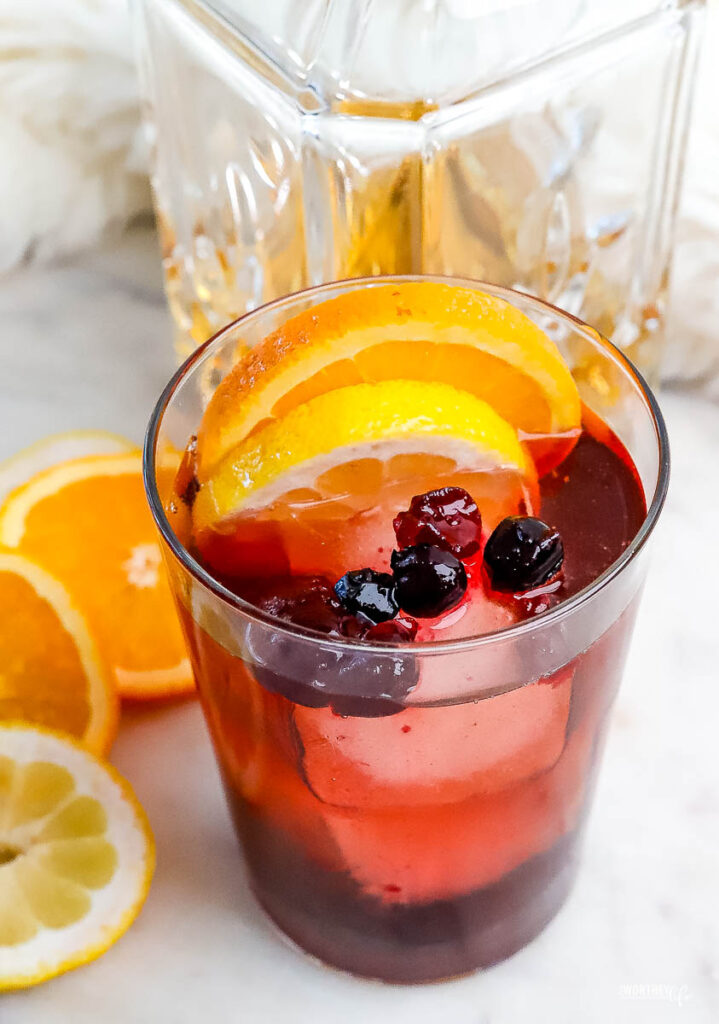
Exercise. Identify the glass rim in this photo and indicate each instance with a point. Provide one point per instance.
(427, 647)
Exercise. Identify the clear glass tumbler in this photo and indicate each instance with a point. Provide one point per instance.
(353, 848)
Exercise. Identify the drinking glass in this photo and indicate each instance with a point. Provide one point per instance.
(353, 847)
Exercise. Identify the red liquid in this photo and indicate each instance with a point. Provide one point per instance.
(425, 843)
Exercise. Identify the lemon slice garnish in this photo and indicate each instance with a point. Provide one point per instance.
(351, 425)
(76, 855)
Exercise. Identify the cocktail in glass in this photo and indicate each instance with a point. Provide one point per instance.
(410, 800)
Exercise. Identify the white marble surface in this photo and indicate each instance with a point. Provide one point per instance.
(88, 344)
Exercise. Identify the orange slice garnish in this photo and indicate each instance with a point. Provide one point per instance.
(87, 522)
(427, 331)
(51, 673)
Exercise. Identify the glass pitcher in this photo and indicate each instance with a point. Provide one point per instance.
(535, 144)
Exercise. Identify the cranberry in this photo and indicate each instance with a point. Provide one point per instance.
(429, 579)
(447, 517)
(368, 594)
(522, 553)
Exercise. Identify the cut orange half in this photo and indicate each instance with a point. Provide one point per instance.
(88, 523)
(76, 856)
(50, 671)
(426, 331)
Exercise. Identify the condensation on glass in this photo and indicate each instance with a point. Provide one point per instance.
(536, 144)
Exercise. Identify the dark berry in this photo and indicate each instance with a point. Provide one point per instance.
(522, 553)
(298, 670)
(447, 517)
(307, 601)
(429, 579)
(318, 675)
(368, 593)
(373, 685)
(313, 675)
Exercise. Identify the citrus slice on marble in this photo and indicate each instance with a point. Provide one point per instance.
(48, 451)
(51, 673)
(76, 855)
(87, 522)
(422, 330)
(333, 471)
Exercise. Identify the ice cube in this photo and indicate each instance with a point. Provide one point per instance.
(425, 756)
(432, 852)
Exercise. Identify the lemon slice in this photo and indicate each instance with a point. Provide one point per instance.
(76, 855)
(420, 330)
(349, 426)
(70, 444)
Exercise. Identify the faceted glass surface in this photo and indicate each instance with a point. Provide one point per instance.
(534, 144)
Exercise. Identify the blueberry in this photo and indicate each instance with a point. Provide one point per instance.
(429, 579)
(368, 593)
(291, 668)
(522, 553)
(447, 517)
(373, 685)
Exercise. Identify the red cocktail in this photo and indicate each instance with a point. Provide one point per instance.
(407, 600)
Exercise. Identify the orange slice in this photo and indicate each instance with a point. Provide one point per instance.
(426, 331)
(88, 523)
(50, 670)
(76, 856)
(48, 451)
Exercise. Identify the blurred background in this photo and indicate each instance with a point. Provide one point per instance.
(533, 143)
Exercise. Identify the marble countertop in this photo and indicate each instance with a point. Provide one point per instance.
(88, 344)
